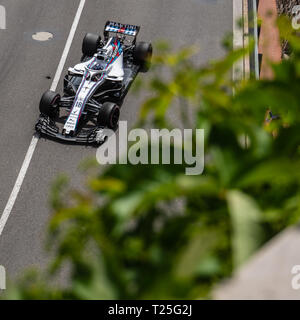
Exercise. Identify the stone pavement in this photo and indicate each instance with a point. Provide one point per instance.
(268, 274)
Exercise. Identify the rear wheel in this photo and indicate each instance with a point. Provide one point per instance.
(142, 55)
(109, 115)
(90, 44)
(49, 104)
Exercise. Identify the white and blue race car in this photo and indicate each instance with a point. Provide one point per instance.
(95, 88)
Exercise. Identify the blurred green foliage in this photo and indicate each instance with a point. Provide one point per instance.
(152, 232)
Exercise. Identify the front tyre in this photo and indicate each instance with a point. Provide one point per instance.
(108, 115)
(142, 55)
(49, 104)
(90, 44)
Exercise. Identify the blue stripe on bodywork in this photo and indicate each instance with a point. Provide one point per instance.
(117, 46)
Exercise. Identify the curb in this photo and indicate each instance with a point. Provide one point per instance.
(240, 38)
(247, 11)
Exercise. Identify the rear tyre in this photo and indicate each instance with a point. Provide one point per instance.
(49, 104)
(142, 55)
(109, 115)
(90, 44)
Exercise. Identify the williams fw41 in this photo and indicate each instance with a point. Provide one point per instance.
(95, 88)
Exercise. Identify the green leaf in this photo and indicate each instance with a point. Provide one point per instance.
(247, 232)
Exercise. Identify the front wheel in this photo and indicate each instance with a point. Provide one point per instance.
(108, 115)
(142, 55)
(90, 44)
(49, 104)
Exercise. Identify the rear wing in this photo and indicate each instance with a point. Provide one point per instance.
(126, 29)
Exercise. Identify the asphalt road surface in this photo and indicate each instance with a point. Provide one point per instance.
(27, 70)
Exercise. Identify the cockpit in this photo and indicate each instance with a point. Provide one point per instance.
(104, 63)
(103, 55)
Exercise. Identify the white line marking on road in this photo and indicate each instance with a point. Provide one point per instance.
(68, 46)
(14, 194)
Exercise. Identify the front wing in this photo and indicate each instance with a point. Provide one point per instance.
(48, 127)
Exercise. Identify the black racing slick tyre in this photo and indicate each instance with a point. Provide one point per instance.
(90, 44)
(142, 55)
(108, 115)
(49, 104)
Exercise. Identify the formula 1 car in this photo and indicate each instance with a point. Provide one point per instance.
(95, 88)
